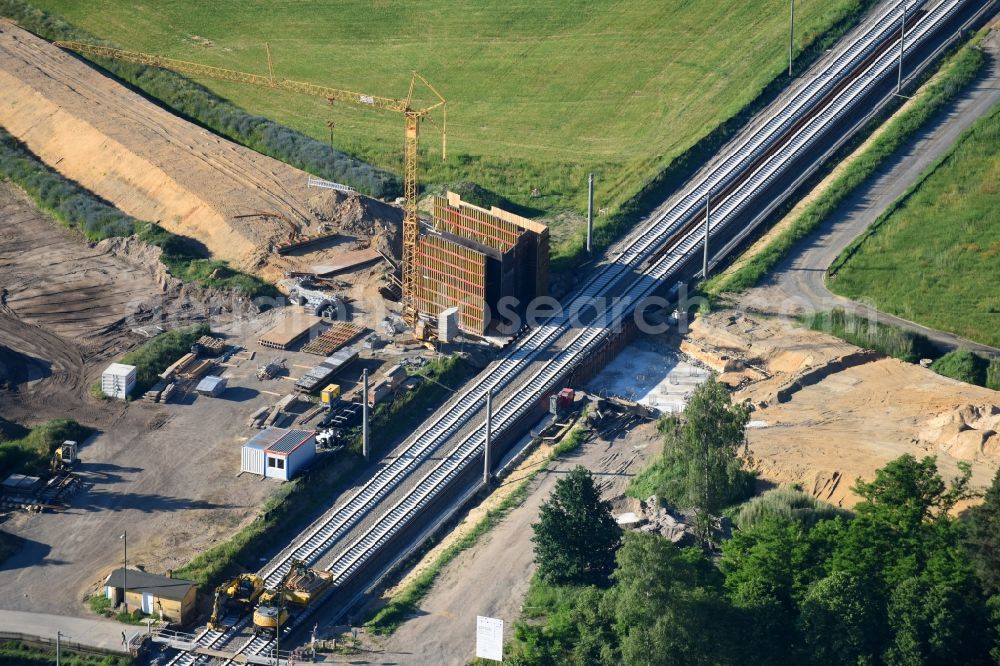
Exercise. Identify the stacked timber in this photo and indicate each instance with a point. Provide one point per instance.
(154, 393)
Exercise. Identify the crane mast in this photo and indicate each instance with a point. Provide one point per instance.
(411, 134)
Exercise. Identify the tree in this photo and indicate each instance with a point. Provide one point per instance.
(936, 623)
(668, 606)
(906, 546)
(705, 459)
(838, 622)
(902, 522)
(768, 568)
(576, 536)
(982, 538)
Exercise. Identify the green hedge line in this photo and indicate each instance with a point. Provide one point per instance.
(958, 71)
(960, 364)
(80, 209)
(867, 334)
(13, 653)
(207, 109)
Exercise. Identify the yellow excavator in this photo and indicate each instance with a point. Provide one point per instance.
(65, 457)
(241, 591)
(299, 588)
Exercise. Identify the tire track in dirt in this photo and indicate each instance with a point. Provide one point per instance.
(67, 307)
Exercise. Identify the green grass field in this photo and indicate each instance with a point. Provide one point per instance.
(935, 258)
(540, 93)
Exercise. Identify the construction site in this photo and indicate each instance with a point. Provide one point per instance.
(260, 474)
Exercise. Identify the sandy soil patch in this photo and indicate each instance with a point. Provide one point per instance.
(159, 167)
(829, 413)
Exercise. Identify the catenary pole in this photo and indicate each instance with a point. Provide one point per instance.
(791, 35)
(590, 212)
(364, 415)
(704, 258)
(489, 437)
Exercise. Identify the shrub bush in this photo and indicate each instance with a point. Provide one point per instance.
(31, 453)
(964, 366)
(784, 504)
(156, 355)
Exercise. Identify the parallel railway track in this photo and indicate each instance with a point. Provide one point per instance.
(641, 264)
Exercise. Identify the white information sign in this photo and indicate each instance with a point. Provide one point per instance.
(489, 638)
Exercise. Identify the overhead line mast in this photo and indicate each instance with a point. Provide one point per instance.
(412, 118)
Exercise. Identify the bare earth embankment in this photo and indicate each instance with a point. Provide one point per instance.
(828, 412)
(67, 306)
(156, 166)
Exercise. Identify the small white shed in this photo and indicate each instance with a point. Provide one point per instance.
(118, 381)
(278, 453)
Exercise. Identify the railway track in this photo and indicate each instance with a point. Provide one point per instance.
(640, 265)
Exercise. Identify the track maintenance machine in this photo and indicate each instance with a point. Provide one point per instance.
(299, 588)
(240, 592)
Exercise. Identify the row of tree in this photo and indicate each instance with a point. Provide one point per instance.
(902, 581)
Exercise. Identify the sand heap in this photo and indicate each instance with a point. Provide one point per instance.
(827, 413)
(969, 432)
(362, 217)
(154, 165)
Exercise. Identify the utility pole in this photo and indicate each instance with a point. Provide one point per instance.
(364, 415)
(590, 212)
(489, 437)
(58, 648)
(902, 45)
(791, 36)
(124, 537)
(704, 259)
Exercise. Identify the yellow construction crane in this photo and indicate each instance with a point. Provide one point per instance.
(411, 133)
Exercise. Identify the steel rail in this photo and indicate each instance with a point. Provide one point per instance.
(726, 170)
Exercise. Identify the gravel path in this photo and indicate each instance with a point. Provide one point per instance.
(798, 285)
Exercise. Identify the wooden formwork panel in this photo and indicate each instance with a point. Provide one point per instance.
(476, 224)
(449, 275)
(333, 338)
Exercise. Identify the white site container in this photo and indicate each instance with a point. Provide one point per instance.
(118, 381)
(278, 453)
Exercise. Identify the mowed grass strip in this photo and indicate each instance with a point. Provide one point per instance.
(955, 74)
(935, 257)
(540, 93)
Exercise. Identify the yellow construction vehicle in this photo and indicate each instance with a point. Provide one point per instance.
(241, 591)
(65, 457)
(299, 588)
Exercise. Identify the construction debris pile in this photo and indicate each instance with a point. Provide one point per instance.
(361, 217)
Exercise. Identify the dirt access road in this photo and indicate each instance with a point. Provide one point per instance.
(492, 577)
(156, 472)
(798, 284)
(67, 306)
(158, 167)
